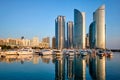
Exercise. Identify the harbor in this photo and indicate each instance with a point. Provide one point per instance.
(69, 52)
(59, 40)
(65, 66)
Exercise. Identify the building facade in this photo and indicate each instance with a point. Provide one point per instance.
(60, 32)
(70, 34)
(97, 29)
(46, 40)
(25, 42)
(35, 42)
(87, 41)
(92, 32)
(53, 43)
(99, 17)
(79, 29)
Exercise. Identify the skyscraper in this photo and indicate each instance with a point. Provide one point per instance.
(53, 43)
(70, 34)
(79, 29)
(97, 29)
(87, 41)
(60, 32)
(99, 18)
(92, 32)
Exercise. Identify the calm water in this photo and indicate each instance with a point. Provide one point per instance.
(34, 67)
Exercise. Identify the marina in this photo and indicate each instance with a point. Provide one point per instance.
(56, 67)
(59, 40)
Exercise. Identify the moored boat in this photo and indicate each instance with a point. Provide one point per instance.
(83, 52)
(57, 52)
(11, 52)
(109, 53)
(46, 52)
(26, 51)
(100, 53)
(70, 52)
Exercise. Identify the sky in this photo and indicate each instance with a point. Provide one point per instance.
(30, 18)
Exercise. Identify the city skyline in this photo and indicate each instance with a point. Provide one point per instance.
(30, 18)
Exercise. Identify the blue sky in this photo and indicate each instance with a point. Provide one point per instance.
(31, 18)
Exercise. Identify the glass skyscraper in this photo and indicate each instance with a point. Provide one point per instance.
(70, 34)
(99, 18)
(60, 32)
(92, 38)
(97, 29)
(79, 29)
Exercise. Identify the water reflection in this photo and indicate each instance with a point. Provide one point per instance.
(80, 67)
(70, 67)
(60, 68)
(97, 67)
(36, 59)
(46, 59)
(66, 67)
(16, 58)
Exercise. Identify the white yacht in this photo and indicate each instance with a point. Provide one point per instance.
(46, 52)
(26, 51)
(109, 53)
(11, 52)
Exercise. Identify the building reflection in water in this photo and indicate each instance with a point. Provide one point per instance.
(46, 58)
(36, 59)
(80, 68)
(16, 58)
(70, 67)
(93, 66)
(97, 68)
(101, 68)
(66, 67)
(60, 68)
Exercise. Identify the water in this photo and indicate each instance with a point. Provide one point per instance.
(34, 67)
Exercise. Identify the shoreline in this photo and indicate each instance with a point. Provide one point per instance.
(115, 50)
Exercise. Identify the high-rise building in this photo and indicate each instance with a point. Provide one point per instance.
(99, 17)
(87, 41)
(60, 32)
(97, 29)
(70, 34)
(35, 42)
(92, 32)
(79, 29)
(26, 42)
(46, 40)
(53, 43)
